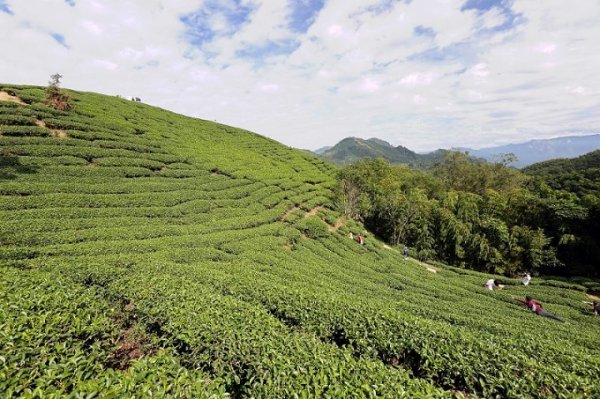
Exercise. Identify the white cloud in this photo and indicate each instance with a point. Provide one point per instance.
(106, 64)
(418, 79)
(91, 27)
(465, 80)
(546, 48)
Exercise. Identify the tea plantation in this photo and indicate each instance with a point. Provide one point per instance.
(144, 253)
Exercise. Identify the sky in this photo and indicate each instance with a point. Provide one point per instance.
(424, 74)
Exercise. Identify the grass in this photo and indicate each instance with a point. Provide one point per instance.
(144, 253)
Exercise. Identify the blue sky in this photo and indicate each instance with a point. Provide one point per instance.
(423, 74)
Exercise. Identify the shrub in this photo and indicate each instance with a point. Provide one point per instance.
(313, 227)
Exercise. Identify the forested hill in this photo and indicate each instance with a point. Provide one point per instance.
(580, 175)
(352, 149)
(148, 254)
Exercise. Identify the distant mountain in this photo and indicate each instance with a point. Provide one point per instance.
(540, 150)
(352, 149)
(321, 150)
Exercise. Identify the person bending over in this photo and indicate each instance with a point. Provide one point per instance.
(537, 308)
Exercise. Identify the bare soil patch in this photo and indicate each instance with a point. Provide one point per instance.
(313, 211)
(58, 133)
(128, 350)
(339, 222)
(289, 213)
(428, 267)
(593, 297)
(4, 96)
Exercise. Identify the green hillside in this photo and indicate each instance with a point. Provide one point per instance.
(580, 175)
(352, 149)
(144, 253)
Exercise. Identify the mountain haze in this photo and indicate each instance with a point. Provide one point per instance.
(534, 151)
(149, 254)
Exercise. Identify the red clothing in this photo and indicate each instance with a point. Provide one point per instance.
(534, 306)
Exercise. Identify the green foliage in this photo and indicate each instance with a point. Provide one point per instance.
(313, 227)
(570, 189)
(148, 254)
(55, 97)
(477, 215)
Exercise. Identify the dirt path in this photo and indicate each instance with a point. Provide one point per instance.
(428, 267)
(593, 297)
(4, 96)
(289, 213)
(339, 222)
(313, 211)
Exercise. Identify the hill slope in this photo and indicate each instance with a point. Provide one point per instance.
(352, 149)
(541, 150)
(146, 253)
(579, 175)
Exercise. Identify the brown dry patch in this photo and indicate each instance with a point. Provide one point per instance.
(58, 133)
(289, 213)
(40, 123)
(4, 96)
(288, 247)
(128, 350)
(428, 267)
(339, 222)
(313, 211)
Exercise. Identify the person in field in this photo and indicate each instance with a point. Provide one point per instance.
(492, 283)
(595, 307)
(360, 239)
(537, 308)
(526, 279)
(405, 252)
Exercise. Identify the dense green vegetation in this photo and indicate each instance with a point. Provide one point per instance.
(579, 179)
(478, 215)
(143, 253)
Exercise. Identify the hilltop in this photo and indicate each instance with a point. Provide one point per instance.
(352, 149)
(145, 253)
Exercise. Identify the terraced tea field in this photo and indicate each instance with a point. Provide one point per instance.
(144, 253)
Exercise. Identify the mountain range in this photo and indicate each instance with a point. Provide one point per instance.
(352, 148)
(534, 151)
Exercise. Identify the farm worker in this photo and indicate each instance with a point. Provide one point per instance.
(405, 252)
(360, 239)
(526, 279)
(491, 283)
(537, 308)
(595, 307)
(351, 236)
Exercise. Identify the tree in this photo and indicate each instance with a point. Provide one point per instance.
(55, 97)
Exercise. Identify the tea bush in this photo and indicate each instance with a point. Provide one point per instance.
(148, 254)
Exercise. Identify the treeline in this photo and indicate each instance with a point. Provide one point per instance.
(475, 214)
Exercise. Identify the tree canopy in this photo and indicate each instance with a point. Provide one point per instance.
(475, 214)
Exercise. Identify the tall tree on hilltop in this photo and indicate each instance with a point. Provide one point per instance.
(55, 97)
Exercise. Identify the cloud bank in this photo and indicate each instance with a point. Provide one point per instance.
(424, 74)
